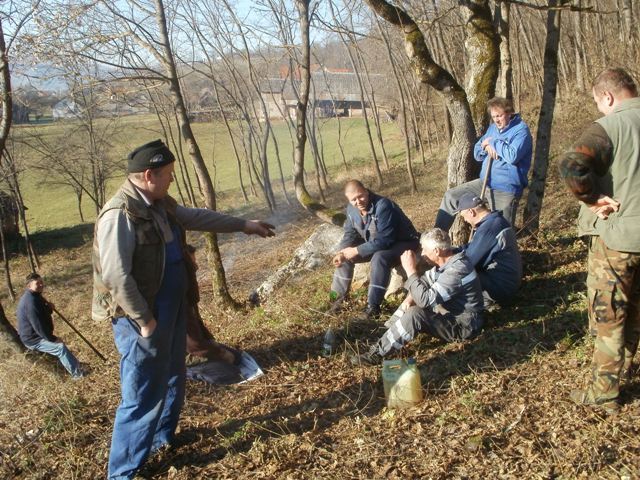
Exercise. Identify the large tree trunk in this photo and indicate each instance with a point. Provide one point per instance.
(543, 136)
(482, 56)
(219, 281)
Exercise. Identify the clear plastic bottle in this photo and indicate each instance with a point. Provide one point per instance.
(329, 343)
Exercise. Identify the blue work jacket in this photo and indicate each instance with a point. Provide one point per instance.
(514, 146)
(383, 225)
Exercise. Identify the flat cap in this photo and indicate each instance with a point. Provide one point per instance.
(150, 155)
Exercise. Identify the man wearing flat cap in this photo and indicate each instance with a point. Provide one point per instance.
(140, 285)
(493, 250)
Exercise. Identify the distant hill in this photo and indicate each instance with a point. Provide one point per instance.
(42, 76)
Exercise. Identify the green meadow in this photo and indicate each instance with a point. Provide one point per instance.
(51, 205)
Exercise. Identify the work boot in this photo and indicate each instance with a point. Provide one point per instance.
(587, 397)
(370, 313)
(372, 357)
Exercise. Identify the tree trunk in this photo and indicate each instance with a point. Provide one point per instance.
(302, 194)
(79, 199)
(232, 139)
(219, 281)
(503, 9)
(578, 50)
(482, 55)
(9, 338)
(282, 181)
(627, 34)
(543, 136)
(5, 261)
(17, 194)
(5, 93)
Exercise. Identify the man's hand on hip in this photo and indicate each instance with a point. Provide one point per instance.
(258, 227)
(149, 328)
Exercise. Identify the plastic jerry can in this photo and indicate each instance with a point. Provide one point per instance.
(401, 381)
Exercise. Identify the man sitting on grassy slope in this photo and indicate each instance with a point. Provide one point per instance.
(493, 250)
(445, 302)
(602, 170)
(376, 230)
(35, 326)
(140, 285)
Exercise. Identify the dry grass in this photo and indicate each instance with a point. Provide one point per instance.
(495, 407)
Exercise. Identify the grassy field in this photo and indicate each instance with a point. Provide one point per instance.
(53, 206)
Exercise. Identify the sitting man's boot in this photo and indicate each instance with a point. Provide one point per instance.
(370, 313)
(372, 357)
(587, 397)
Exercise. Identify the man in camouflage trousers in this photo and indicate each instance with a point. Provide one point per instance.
(603, 171)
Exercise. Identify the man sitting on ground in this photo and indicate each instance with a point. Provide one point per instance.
(493, 250)
(445, 302)
(35, 326)
(507, 147)
(376, 230)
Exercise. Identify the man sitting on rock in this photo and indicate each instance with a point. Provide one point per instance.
(35, 326)
(376, 230)
(445, 302)
(493, 250)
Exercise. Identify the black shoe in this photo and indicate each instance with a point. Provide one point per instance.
(370, 313)
(372, 357)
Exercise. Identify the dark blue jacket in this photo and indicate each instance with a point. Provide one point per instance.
(34, 318)
(383, 225)
(514, 146)
(493, 251)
